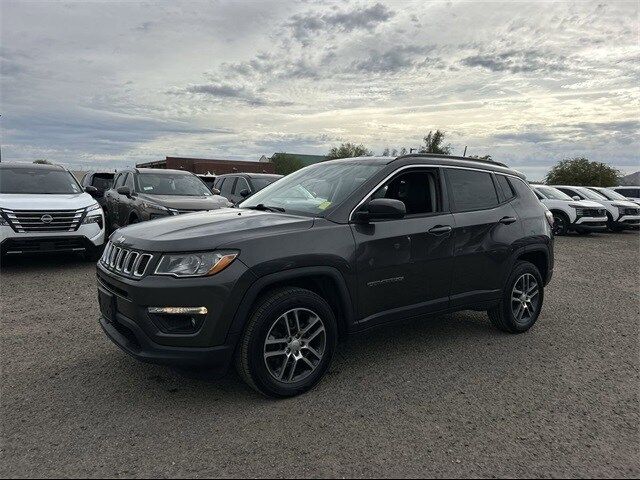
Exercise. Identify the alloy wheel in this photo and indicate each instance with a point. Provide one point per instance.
(295, 345)
(525, 298)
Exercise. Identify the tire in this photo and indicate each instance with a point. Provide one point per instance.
(268, 368)
(612, 226)
(560, 223)
(503, 316)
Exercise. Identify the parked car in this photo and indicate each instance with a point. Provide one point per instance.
(141, 194)
(237, 187)
(273, 284)
(581, 216)
(43, 209)
(630, 192)
(101, 181)
(621, 214)
(209, 180)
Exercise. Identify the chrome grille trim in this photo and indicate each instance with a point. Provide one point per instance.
(31, 220)
(125, 261)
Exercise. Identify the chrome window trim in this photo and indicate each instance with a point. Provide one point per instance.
(424, 165)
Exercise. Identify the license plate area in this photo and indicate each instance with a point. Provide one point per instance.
(107, 303)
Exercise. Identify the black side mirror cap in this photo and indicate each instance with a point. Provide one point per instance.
(245, 193)
(91, 190)
(381, 209)
(215, 191)
(124, 191)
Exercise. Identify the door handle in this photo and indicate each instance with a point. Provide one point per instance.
(508, 220)
(438, 229)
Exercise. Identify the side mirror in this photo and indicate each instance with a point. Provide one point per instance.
(215, 191)
(576, 197)
(124, 191)
(93, 191)
(381, 209)
(245, 193)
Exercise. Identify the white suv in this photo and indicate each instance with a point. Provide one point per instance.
(44, 209)
(630, 192)
(621, 214)
(581, 216)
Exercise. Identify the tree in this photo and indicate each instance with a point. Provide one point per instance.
(286, 164)
(580, 171)
(349, 150)
(433, 143)
(42, 161)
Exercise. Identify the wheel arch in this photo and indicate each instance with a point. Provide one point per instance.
(538, 257)
(325, 281)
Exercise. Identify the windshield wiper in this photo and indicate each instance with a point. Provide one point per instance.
(263, 207)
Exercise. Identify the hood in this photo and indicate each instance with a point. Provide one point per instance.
(180, 202)
(207, 230)
(32, 201)
(586, 203)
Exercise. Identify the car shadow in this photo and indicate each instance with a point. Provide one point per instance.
(22, 263)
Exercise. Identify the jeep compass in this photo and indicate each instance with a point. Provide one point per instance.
(330, 250)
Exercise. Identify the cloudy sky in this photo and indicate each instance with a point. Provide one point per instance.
(111, 84)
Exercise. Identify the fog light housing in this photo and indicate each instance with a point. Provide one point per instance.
(178, 320)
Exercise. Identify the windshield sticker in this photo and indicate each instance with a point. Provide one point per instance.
(324, 205)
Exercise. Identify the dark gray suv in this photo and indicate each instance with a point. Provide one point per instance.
(141, 194)
(331, 250)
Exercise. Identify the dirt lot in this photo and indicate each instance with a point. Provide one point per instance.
(446, 396)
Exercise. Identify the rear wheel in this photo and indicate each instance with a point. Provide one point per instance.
(521, 300)
(288, 343)
(560, 223)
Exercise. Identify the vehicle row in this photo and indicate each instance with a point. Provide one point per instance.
(587, 209)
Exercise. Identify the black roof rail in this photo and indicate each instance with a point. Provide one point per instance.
(453, 157)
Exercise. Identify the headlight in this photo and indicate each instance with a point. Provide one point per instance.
(197, 264)
(154, 206)
(94, 215)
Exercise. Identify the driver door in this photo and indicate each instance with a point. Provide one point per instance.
(404, 265)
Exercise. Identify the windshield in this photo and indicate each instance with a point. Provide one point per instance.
(553, 193)
(316, 189)
(592, 195)
(611, 195)
(37, 180)
(166, 184)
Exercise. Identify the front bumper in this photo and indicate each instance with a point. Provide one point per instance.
(628, 221)
(129, 337)
(590, 224)
(85, 238)
(127, 321)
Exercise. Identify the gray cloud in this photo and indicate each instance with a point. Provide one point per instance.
(516, 61)
(359, 18)
(392, 60)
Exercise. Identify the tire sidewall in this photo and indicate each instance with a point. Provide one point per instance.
(265, 318)
(520, 269)
(565, 222)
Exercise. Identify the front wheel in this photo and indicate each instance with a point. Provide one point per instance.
(521, 300)
(288, 343)
(560, 223)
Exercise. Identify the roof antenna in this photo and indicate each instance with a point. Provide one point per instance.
(465, 151)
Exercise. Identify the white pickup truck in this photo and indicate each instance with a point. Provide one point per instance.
(43, 209)
(581, 216)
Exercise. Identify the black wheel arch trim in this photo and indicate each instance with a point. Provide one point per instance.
(265, 282)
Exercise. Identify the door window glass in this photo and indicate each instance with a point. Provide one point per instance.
(418, 190)
(227, 186)
(472, 190)
(505, 187)
(120, 180)
(241, 184)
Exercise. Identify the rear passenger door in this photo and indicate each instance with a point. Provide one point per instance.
(487, 229)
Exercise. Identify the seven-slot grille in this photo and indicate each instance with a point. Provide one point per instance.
(44, 220)
(125, 261)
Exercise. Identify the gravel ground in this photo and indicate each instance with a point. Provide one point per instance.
(444, 397)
